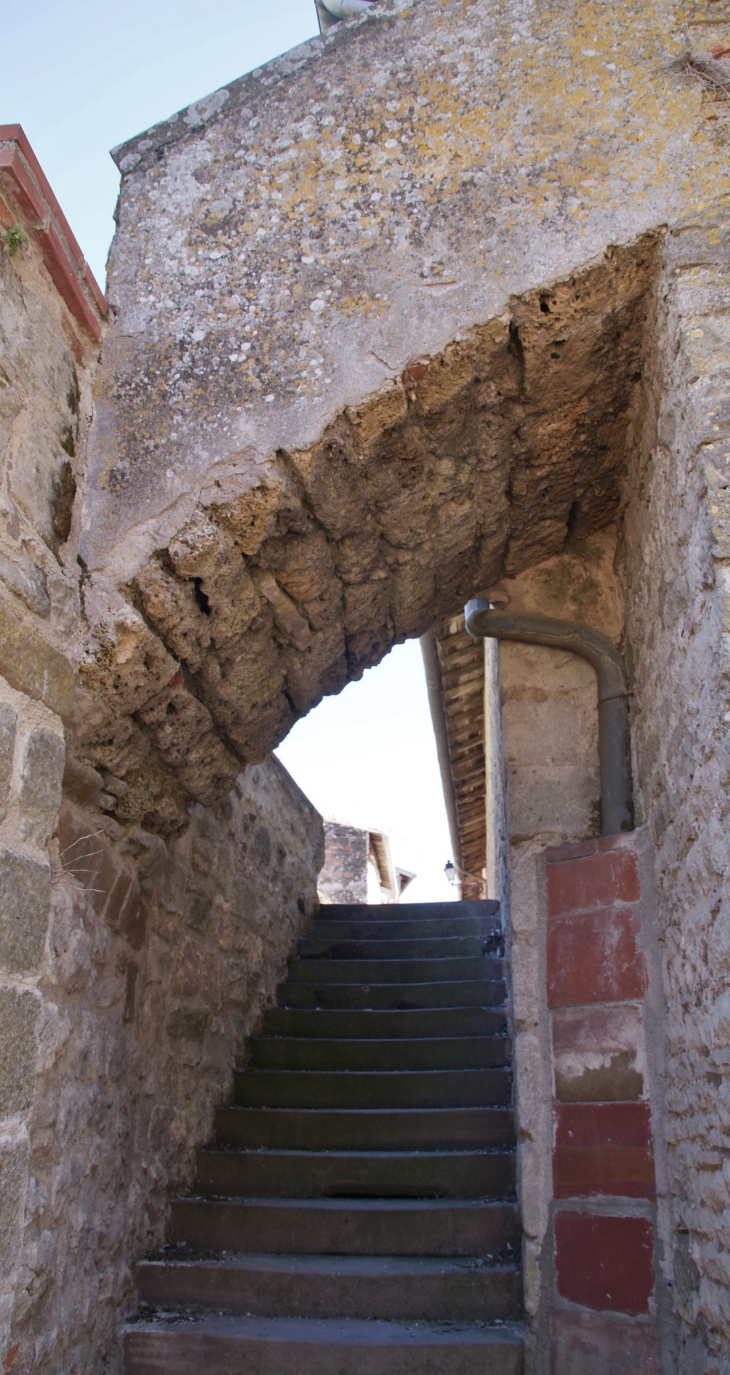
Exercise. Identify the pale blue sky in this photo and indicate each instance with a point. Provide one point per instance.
(83, 77)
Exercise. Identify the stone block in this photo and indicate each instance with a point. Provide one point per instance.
(18, 1017)
(584, 1344)
(526, 985)
(132, 922)
(188, 1024)
(605, 1262)
(87, 856)
(80, 781)
(595, 958)
(598, 1054)
(603, 1148)
(41, 774)
(13, 1178)
(117, 898)
(25, 891)
(526, 897)
(553, 731)
(559, 799)
(32, 666)
(534, 1187)
(7, 748)
(581, 884)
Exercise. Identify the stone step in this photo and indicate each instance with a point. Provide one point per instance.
(455, 1052)
(384, 971)
(316, 947)
(352, 1226)
(278, 1088)
(408, 911)
(458, 993)
(396, 1129)
(276, 1346)
(382, 1287)
(377, 929)
(355, 1174)
(336, 1024)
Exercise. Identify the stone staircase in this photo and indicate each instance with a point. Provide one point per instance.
(357, 1214)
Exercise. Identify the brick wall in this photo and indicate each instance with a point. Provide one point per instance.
(590, 1104)
(604, 1177)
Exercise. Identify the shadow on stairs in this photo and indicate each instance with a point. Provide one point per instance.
(357, 1213)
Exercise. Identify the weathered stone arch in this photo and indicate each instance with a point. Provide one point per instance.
(475, 463)
(372, 349)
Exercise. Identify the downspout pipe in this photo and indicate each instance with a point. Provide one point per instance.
(438, 716)
(483, 621)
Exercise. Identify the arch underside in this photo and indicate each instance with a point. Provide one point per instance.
(476, 464)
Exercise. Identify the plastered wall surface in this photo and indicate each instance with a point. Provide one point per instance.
(549, 698)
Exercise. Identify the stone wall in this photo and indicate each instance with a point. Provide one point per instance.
(677, 562)
(131, 969)
(344, 876)
(158, 963)
(51, 319)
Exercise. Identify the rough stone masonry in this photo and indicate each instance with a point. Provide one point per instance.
(402, 315)
(397, 317)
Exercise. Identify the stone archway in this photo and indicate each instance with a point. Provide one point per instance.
(476, 463)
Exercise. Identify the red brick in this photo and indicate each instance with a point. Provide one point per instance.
(574, 850)
(603, 1148)
(63, 258)
(584, 1344)
(598, 1053)
(605, 1262)
(14, 133)
(60, 265)
(585, 883)
(594, 959)
(625, 841)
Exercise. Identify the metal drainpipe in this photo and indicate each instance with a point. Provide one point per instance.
(438, 716)
(613, 712)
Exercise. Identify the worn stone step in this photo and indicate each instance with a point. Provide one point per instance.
(279, 1088)
(456, 1052)
(311, 1346)
(449, 947)
(338, 1024)
(356, 1174)
(383, 929)
(385, 971)
(352, 1226)
(382, 1287)
(409, 911)
(457, 993)
(397, 1129)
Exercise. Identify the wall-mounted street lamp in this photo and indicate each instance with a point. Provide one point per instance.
(330, 12)
(455, 875)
